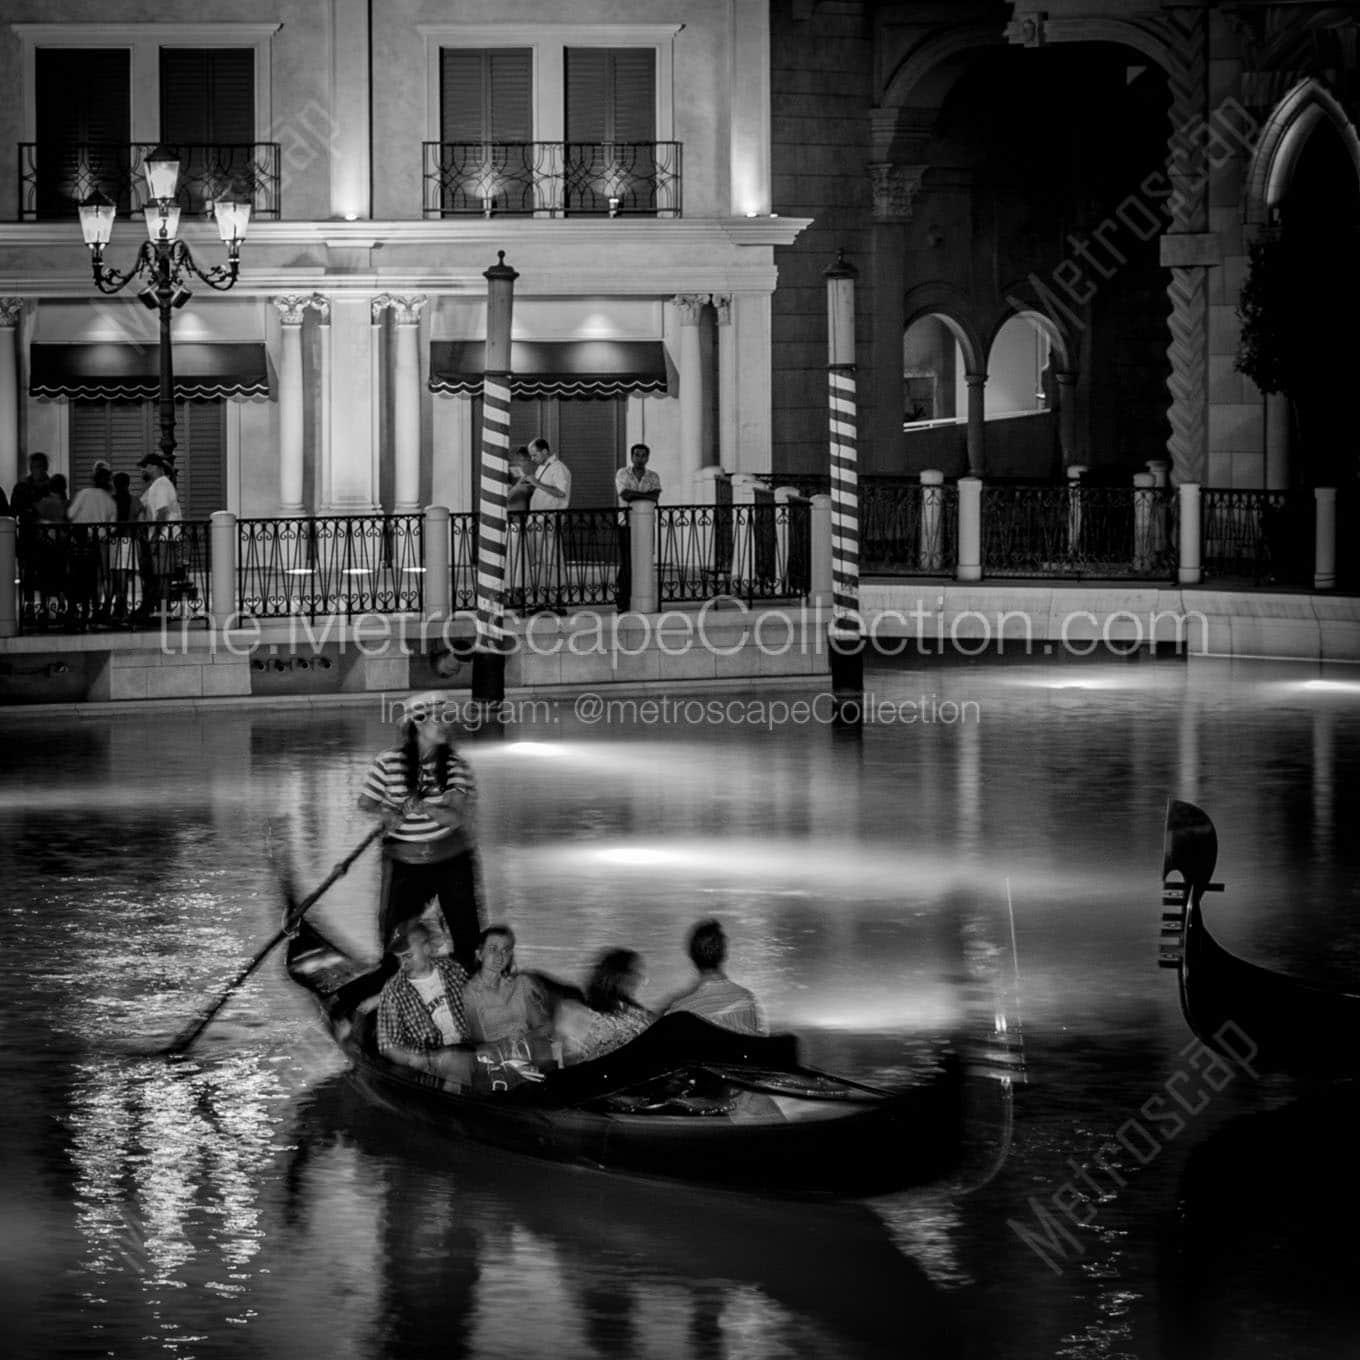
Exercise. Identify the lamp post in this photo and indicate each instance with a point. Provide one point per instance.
(163, 261)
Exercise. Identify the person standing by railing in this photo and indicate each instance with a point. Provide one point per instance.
(635, 482)
(91, 506)
(161, 536)
(551, 481)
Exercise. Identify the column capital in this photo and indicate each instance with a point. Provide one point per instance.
(722, 304)
(321, 305)
(690, 305)
(292, 307)
(894, 189)
(406, 306)
(11, 312)
(975, 379)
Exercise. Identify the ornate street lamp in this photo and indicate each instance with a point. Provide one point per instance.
(164, 261)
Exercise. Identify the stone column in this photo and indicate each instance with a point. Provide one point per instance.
(1067, 416)
(1188, 572)
(324, 496)
(437, 578)
(406, 400)
(1277, 441)
(1324, 550)
(977, 423)
(970, 529)
(642, 567)
(729, 451)
(11, 312)
(222, 606)
(292, 308)
(820, 595)
(690, 307)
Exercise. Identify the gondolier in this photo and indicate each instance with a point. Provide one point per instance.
(424, 792)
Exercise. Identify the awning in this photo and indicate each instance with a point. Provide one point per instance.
(583, 369)
(132, 372)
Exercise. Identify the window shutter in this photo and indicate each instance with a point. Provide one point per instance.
(207, 95)
(634, 94)
(509, 80)
(200, 428)
(590, 440)
(461, 100)
(588, 98)
(83, 99)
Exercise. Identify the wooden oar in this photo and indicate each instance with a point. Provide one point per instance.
(293, 915)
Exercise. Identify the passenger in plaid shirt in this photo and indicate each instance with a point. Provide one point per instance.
(420, 1010)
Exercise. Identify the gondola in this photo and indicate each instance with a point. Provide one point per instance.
(1268, 1021)
(685, 1100)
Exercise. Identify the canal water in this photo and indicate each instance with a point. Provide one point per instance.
(246, 1202)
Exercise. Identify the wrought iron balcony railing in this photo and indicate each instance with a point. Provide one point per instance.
(54, 178)
(552, 179)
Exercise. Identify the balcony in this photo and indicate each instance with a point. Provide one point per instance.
(54, 179)
(552, 179)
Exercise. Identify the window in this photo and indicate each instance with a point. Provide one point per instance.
(83, 117)
(121, 432)
(611, 130)
(487, 161)
(208, 116)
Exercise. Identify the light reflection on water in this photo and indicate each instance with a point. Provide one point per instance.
(239, 1202)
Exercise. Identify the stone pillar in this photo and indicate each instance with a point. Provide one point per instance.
(642, 547)
(438, 583)
(1067, 416)
(1324, 551)
(729, 449)
(292, 308)
(222, 605)
(1143, 519)
(930, 555)
(1074, 508)
(690, 307)
(1160, 470)
(406, 398)
(970, 529)
(11, 312)
(977, 423)
(323, 496)
(9, 569)
(820, 596)
(1188, 573)
(1277, 441)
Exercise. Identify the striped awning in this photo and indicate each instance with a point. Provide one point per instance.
(581, 369)
(119, 372)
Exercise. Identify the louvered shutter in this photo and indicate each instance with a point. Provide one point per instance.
(588, 95)
(509, 81)
(83, 105)
(611, 94)
(633, 96)
(486, 95)
(461, 98)
(590, 441)
(207, 95)
(200, 427)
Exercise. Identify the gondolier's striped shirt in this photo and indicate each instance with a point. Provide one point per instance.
(386, 784)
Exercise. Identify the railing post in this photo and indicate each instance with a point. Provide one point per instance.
(1144, 551)
(930, 555)
(710, 484)
(785, 498)
(9, 569)
(222, 602)
(642, 552)
(1188, 573)
(820, 592)
(1074, 508)
(1324, 550)
(970, 529)
(438, 596)
(748, 491)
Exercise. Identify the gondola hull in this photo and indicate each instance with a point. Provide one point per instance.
(767, 1136)
(1267, 1021)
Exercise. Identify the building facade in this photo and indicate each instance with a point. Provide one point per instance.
(618, 154)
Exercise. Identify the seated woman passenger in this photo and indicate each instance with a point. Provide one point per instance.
(501, 1004)
(612, 1014)
(420, 1009)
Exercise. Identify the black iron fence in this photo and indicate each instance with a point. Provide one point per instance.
(552, 179)
(55, 178)
(74, 577)
(751, 552)
(342, 565)
(1268, 536)
(906, 529)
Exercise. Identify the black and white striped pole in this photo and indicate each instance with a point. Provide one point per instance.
(845, 639)
(488, 659)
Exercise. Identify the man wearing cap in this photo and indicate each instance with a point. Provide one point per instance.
(161, 545)
(423, 792)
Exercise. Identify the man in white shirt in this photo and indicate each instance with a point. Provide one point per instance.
(635, 482)
(160, 543)
(551, 481)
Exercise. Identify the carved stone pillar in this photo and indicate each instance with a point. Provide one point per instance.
(977, 423)
(325, 495)
(690, 307)
(406, 400)
(292, 309)
(729, 453)
(11, 312)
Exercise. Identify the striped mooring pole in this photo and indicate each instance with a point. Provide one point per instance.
(845, 640)
(488, 657)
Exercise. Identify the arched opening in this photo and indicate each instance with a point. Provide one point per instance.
(1019, 379)
(933, 367)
